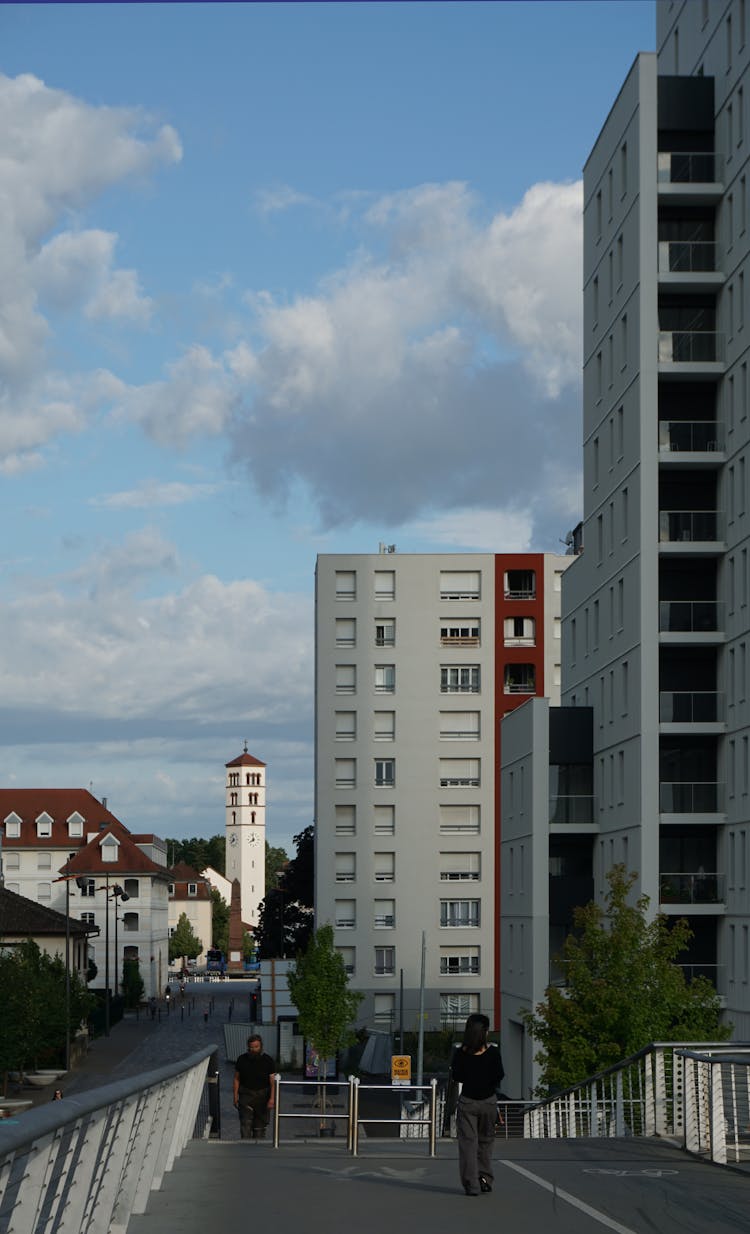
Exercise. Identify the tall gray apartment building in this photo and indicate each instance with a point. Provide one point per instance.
(654, 732)
(418, 657)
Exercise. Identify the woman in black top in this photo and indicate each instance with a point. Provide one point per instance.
(478, 1067)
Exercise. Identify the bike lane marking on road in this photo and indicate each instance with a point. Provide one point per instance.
(558, 1192)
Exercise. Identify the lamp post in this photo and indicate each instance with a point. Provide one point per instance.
(116, 893)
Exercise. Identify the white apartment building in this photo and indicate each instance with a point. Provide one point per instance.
(417, 658)
(656, 609)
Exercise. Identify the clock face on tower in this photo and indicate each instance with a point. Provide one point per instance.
(233, 838)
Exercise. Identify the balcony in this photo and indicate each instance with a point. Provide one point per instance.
(690, 797)
(690, 265)
(385, 970)
(571, 810)
(691, 437)
(691, 616)
(459, 640)
(384, 921)
(691, 177)
(692, 889)
(694, 347)
(691, 707)
(692, 527)
(459, 781)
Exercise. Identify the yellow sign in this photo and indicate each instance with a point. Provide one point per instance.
(400, 1069)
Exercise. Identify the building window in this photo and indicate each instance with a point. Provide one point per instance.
(87, 887)
(520, 584)
(44, 826)
(385, 961)
(346, 867)
(130, 922)
(459, 772)
(346, 584)
(385, 867)
(454, 633)
(459, 914)
(384, 916)
(43, 891)
(109, 849)
(192, 889)
(459, 961)
(385, 772)
(454, 1008)
(346, 725)
(460, 867)
(44, 861)
(12, 861)
(459, 679)
(88, 918)
(520, 679)
(348, 956)
(131, 887)
(346, 632)
(75, 825)
(346, 772)
(345, 914)
(384, 820)
(459, 726)
(12, 827)
(346, 820)
(385, 678)
(385, 633)
(385, 584)
(385, 726)
(346, 678)
(384, 1011)
(519, 631)
(460, 584)
(459, 820)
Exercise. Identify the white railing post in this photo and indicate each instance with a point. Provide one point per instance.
(718, 1123)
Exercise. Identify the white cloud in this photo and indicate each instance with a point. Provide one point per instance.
(153, 494)
(478, 531)
(196, 399)
(57, 154)
(282, 197)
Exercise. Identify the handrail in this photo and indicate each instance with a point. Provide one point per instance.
(98, 1154)
(351, 1114)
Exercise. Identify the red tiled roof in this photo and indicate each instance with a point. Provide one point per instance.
(59, 803)
(130, 858)
(19, 915)
(245, 760)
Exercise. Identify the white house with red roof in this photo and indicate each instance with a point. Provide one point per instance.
(246, 831)
(50, 832)
(190, 893)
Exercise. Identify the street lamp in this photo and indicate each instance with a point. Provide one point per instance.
(115, 893)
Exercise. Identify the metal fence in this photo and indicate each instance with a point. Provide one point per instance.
(316, 1102)
(85, 1164)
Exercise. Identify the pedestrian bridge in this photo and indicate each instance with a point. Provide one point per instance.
(632, 1150)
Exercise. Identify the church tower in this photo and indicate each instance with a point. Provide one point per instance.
(246, 831)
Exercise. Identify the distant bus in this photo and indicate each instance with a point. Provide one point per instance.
(215, 962)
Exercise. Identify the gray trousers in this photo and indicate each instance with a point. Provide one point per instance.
(475, 1124)
(253, 1111)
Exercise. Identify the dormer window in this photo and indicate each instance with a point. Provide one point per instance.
(44, 825)
(12, 827)
(109, 848)
(171, 889)
(75, 825)
(192, 889)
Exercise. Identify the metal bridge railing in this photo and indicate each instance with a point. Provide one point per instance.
(85, 1164)
(315, 1106)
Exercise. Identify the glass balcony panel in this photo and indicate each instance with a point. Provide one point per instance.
(700, 888)
(690, 525)
(571, 809)
(687, 256)
(690, 346)
(691, 436)
(683, 167)
(689, 797)
(691, 706)
(691, 616)
(709, 971)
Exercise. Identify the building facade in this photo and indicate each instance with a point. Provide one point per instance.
(418, 656)
(655, 609)
(190, 893)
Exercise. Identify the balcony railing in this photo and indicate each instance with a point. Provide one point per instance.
(691, 616)
(698, 888)
(384, 921)
(684, 167)
(687, 257)
(519, 640)
(385, 970)
(691, 436)
(571, 809)
(709, 971)
(691, 797)
(691, 525)
(345, 923)
(520, 593)
(691, 706)
(459, 640)
(459, 781)
(519, 687)
(690, 347)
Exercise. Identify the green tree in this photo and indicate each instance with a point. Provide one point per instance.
(320, 991)
(132, 983)
(33, 1002)
(248, 946)
(623, 989)
(285, 919)
(276, 859)
(184, 942)
(219, 921)
(198, 852)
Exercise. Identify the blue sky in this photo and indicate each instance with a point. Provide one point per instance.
(277, 279)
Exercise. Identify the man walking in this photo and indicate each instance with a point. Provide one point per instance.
(253, 1089)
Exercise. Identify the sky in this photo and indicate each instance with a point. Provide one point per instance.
(276, 280)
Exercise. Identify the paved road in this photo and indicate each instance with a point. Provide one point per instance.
(549, 1187)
